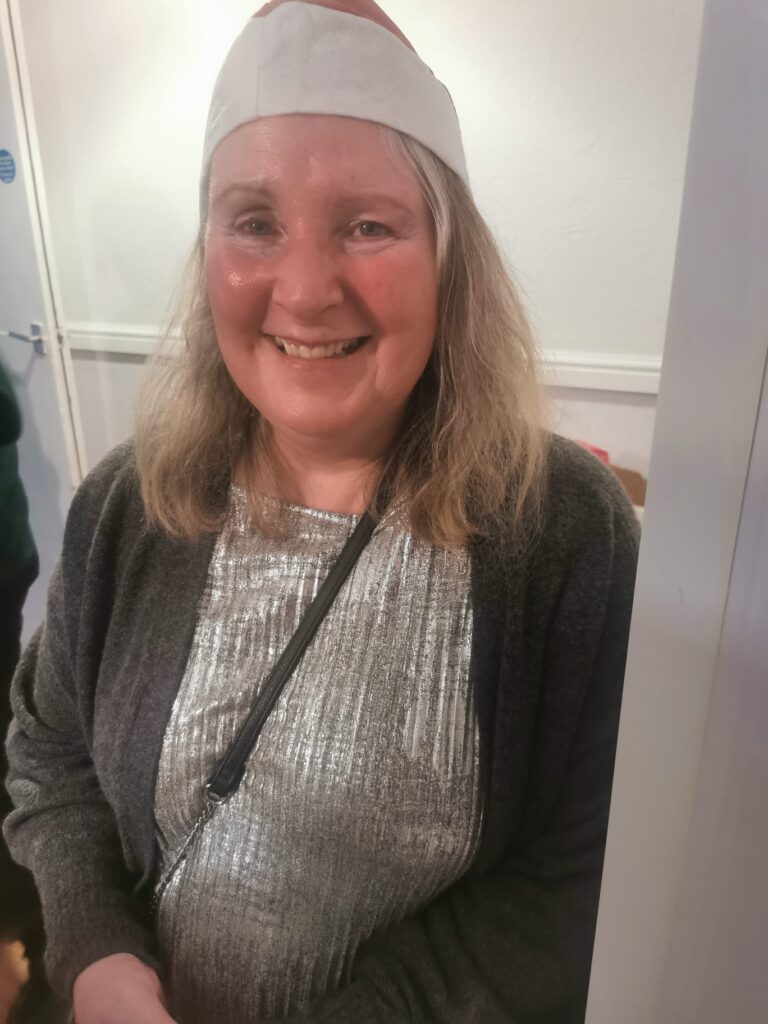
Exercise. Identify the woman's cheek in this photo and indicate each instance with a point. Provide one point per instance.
(238, 287)
(388, 288)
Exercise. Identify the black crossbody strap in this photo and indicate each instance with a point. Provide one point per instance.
(229, 771)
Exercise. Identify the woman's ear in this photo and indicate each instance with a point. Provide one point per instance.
(361, 8)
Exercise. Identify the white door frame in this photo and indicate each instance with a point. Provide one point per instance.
(30, 165)
(709, 399)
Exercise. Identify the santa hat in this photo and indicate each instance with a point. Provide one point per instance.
(307, 58)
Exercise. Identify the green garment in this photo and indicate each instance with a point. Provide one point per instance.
(18, 557)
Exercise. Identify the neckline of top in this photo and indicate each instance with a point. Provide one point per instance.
(241, 497)
(348, 519)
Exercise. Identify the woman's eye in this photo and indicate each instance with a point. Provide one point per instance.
(372, 229)
(254, 226)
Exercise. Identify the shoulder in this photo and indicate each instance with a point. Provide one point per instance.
(587, 525)
(116, 470)
(104, 520)
(583, 496)
(106, 504)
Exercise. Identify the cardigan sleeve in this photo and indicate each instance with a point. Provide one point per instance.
(514, 945)
(62, 827)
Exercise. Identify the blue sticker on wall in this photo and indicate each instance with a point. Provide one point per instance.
(7, 167)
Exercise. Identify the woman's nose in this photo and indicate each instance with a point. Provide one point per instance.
(306, 278)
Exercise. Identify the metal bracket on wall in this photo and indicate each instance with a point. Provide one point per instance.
(34, 338)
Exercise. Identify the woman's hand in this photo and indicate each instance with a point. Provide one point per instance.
(119, 989)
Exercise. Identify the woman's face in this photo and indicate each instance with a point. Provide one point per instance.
(322, 276)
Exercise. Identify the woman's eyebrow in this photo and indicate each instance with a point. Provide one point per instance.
(245, 190)
(366, 200)
(346, 204)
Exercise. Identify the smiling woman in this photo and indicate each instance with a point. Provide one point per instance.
(321, 726)
(319, 230)
(333, 249)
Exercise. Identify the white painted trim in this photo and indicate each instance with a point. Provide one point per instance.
(591, 371)
(112, 339)
(30, 162)
(596, 371)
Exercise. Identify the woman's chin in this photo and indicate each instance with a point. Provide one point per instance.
(319, 427)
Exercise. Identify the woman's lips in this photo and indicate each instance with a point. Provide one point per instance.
(329, 350)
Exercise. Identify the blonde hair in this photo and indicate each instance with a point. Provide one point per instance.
(469, 459)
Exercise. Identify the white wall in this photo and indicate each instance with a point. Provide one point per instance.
(576, 119)
(621, 423)
(575, 116)
(107, 386)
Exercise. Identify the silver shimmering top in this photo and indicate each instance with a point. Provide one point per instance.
(361, 801)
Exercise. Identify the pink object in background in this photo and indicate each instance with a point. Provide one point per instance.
(599, 452)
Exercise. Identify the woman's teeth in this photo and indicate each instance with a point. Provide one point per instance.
(338, 348)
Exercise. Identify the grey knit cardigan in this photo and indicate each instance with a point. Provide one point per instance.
(511, 941)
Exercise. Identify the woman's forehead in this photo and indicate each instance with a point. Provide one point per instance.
(312, 150)
(295, 134)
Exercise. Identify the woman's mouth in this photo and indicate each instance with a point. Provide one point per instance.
(331, 350)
